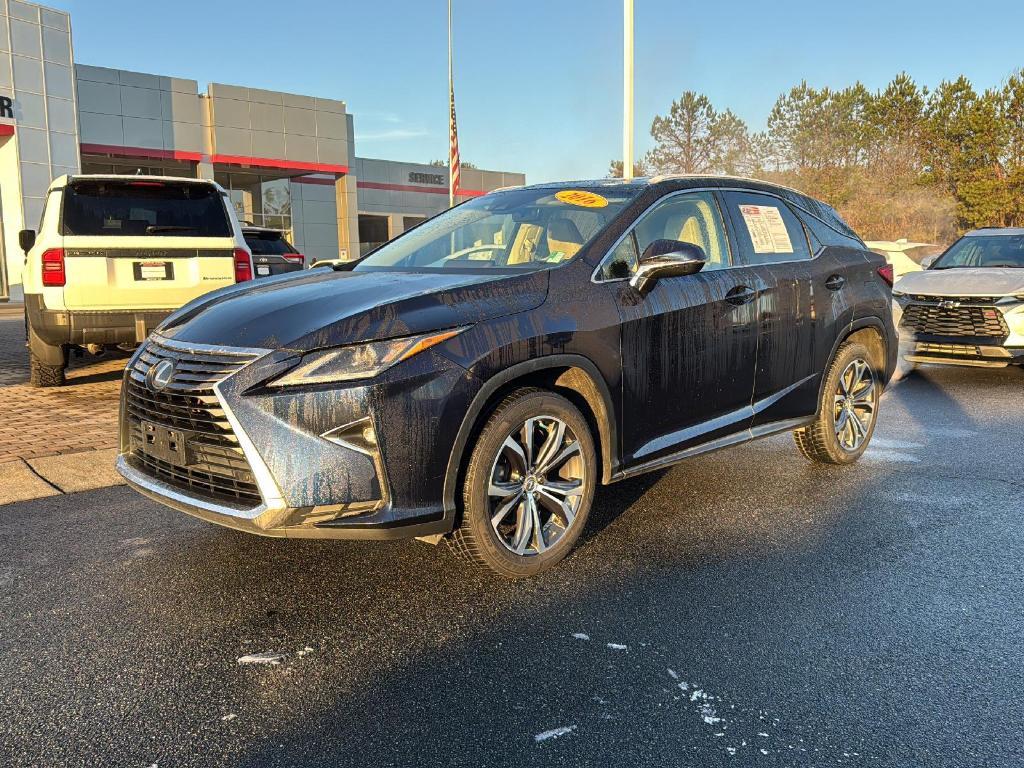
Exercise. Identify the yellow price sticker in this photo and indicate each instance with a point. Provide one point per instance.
(581, 198)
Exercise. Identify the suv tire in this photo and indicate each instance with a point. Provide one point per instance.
(848, 412)
(533, 466)
(43, 375)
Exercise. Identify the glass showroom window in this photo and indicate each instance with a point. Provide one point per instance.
(260, 200)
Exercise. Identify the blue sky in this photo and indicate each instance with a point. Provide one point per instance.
(539, 82)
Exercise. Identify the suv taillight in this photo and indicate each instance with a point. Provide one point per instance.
(243, 265)
(294, 258)
(53, 268)
(886, 273)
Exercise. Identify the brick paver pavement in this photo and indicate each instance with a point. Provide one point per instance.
(80, 416)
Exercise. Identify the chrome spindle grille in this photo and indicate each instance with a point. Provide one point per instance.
(967, 320)
(214, 465)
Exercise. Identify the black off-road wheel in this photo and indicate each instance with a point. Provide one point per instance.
(849, 409)
(43, 375)
(528, 486)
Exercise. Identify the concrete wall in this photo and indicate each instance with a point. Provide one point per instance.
(122, 108)
(36, 69)
(388, 187)
(253, 123)
(315, 218)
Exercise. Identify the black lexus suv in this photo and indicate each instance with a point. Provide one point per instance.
(476, 378)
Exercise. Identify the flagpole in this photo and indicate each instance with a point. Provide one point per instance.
(451, 100)
(627, 91)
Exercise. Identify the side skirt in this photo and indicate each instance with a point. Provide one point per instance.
(745, 436)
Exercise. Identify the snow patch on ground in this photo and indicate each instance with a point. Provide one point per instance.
(581, 635)
(267, 657)
(618, 647)
(889, 457)
(899, 445)
(554, 733)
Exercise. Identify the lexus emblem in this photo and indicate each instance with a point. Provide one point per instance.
(949, 304)
(160, 374)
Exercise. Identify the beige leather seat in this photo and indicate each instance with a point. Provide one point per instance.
(564, 237)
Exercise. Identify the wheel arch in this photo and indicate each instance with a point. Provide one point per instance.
(870, 332)
(573, 376)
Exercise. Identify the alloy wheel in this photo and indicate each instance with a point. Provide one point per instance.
(536, 487)
(854, 404)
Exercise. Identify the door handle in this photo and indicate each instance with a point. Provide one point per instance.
(740, 295)
(835, 282)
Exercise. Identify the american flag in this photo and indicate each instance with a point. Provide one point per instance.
(453, 150)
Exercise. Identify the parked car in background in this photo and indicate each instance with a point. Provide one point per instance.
(114, 255)
(967, 308)
(477, 377)
(272, 254)
(896, 252)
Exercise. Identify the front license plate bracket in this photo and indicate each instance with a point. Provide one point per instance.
(165, 443)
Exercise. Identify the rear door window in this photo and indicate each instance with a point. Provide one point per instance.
(766, 230)
(143, 208)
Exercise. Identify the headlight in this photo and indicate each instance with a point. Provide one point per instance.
(358, 361)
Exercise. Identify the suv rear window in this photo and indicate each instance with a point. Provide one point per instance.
(267, 244)
(143, 208)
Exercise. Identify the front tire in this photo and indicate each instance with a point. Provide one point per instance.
(528, 486)
(849, 409)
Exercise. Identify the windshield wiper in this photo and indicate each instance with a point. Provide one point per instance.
(153, 229)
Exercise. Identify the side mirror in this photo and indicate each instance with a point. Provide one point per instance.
(667, 258)
(927, 261)
(26, 239)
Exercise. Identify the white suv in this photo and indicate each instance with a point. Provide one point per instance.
(115, 255)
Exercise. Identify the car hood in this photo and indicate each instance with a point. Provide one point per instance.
(983, 281)
(324, 308)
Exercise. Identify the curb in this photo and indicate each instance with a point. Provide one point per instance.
(36, 478)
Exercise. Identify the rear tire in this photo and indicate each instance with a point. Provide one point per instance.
(846, 418)
(43, 375)
(528, 486)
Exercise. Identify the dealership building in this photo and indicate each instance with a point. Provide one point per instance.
(287, 160)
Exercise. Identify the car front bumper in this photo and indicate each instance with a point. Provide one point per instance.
(310, 471)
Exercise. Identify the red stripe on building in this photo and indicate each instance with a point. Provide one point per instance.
(291, 165)
(145, 152)
(6, 129)
(415, 188)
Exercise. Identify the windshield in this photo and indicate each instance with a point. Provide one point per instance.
(114, 208)
(517, 229)
(983, 251)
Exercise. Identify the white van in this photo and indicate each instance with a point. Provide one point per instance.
(115, 255)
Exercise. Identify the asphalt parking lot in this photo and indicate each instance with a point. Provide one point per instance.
(745, 608)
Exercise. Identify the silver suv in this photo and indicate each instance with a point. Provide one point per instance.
(967, 308)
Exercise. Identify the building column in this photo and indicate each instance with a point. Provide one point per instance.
(204, 168)
(348, 217)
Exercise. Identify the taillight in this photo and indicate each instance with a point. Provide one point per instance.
(53, 268)
(294, 258)
(243, 265)
(886, 273)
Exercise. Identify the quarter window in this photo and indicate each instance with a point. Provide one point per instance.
(767, 231)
